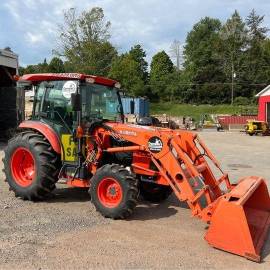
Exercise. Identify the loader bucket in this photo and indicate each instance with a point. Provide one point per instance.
(241, 220)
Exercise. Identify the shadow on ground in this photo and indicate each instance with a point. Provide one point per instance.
(165, 209)
(153, 211)
(143, 211)
(69, 195)
(266, 248)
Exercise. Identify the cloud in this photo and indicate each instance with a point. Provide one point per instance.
(13, 8)
(34, 38)
(32, 24)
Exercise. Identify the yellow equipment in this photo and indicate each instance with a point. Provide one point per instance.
(256, 127)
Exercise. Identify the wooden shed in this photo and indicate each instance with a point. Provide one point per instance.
(264, 104)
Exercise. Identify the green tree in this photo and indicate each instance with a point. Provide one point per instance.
(203, 74)
(21, 70)
(161, 68)
(266, 60)
(85, 41)
(173, 90)
(257, 65)
(233, 45)
(127, 71)
(43, 66)
(56, 65)
(138, 54)
(33, 69)
(201, 42)
(161, 65)
(256, 31)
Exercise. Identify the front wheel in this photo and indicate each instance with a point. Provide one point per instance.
(114, 191)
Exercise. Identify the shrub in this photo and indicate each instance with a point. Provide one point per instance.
(242, 101)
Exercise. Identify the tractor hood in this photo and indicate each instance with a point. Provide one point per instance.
(153, 138)
(138, 130)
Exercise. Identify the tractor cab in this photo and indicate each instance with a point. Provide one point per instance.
(99, 100)
(68, 101)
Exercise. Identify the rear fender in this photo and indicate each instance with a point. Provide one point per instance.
(46, 131)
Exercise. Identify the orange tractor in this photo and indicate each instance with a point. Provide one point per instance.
(77, 134)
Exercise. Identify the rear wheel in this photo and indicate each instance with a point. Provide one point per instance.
(154, 193)
(114, 191)
(31, 166)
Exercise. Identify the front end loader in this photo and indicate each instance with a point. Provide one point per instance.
(77, 134)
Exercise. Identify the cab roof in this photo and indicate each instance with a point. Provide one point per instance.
(35, 78)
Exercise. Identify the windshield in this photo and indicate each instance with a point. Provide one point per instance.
(100, 102)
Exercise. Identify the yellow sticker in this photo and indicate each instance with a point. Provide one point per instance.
(69, 148)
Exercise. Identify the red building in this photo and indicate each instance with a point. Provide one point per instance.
(264, 104)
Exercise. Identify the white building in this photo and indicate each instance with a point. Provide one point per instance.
(9, 60)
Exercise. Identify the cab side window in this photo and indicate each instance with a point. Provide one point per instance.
(55, 105)
(38, 99)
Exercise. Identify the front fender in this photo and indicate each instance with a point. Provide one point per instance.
(46, 131)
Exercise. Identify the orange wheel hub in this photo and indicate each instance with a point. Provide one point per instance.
(23, 167)
(110, 192)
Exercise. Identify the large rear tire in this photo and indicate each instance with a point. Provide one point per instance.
(31, 166)
(114, 191)
(154, 193)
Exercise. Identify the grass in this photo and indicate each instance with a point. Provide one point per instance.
(196, 111)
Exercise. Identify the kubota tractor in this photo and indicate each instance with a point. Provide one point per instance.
(77, 134)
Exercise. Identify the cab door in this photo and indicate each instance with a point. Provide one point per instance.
(53, 107)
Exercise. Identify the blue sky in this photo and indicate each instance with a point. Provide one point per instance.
(29, 27)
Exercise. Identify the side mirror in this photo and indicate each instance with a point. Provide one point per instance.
(132, 107)
(76, 103)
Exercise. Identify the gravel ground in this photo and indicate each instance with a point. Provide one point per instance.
(65, 232)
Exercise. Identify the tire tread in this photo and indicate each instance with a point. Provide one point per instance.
(48, 162)
(130, 185)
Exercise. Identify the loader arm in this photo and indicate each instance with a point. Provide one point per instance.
(187, 171)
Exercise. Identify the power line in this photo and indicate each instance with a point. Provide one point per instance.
(227, 83)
